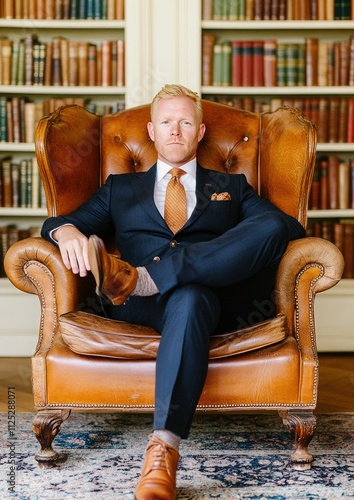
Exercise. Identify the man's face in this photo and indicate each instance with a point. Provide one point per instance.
(175, 130)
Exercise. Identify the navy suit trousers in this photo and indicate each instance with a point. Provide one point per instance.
(228, 287)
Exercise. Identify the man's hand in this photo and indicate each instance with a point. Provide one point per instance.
(73, 246)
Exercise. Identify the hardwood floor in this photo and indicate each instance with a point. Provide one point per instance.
(336, 388)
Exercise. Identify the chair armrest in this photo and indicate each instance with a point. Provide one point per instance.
(309, 265)
(34, 265)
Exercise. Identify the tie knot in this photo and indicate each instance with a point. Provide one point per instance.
(177, 172)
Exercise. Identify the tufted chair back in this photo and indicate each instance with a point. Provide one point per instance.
(82, 149)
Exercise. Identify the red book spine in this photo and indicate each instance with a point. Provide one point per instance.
(351, 184)
(247, 64)
(258, 63)
(350, 128)
(236, 63)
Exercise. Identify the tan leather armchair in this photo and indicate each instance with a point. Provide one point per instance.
(85, 362)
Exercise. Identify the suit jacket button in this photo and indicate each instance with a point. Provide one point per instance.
(173, 243)
(156, 259)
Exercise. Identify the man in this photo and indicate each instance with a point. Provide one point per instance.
(190, 267)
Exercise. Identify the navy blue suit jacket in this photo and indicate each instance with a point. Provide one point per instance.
(124, 206)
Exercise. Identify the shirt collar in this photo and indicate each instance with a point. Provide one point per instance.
(163, 168)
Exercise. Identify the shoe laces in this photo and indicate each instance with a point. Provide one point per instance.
(160, 452)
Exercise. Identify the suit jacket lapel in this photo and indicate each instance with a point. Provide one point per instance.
(207, 184)
(143, 186)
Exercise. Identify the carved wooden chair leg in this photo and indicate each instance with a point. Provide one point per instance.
(46, 425)
(302, 425)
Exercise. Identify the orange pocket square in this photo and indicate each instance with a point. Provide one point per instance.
(220, 197)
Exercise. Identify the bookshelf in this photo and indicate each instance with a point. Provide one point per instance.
(163, 44)
(18, 333)
(334, 316)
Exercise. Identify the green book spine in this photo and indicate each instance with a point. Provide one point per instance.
(23, 183)
(281, 65)
(218, 9)
(97, 9)
(3, 119)
(301, 65)
(74, 9)
(234, 10)
(104, 9)
(242, 10)
(89, 9)
(292, 55)
(29, 184)
(21, 63)
(14, 62)
(226, 64)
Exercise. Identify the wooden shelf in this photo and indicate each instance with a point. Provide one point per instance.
(62, 24)
(279, 91)
(23, 212)
(278, 25)
(347, 213)
(17, 147)
(61, 90)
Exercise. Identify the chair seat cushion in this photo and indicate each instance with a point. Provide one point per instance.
(92, 335)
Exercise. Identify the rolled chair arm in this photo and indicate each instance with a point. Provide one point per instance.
(309, 265)
(35, 266)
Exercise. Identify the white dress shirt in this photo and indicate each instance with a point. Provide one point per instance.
(188, 180)
(162, 178)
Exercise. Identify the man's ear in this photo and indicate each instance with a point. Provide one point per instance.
(150, 128)
(202, 129)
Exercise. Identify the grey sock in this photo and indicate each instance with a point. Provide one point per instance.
(168, 437)
(145, 285)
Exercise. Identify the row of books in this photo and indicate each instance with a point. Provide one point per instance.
(341, 233)
(240, 10)
(333, 184)
(9, 235)
(19, 116)
(333, 116)
(29, 61)
(272, 63)
(20, 184)
(62, 9)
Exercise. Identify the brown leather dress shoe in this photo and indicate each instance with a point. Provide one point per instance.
(158, 476)
(115, 279)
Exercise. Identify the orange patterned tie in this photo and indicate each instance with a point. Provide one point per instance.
(176, 201)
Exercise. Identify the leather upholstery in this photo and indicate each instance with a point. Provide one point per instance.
(91, 335)
(92, 364)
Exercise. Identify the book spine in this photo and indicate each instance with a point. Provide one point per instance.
(324, 189)
(343, 184)
(6, 182)
(247, 63)
(236, 63)
(258, 63)
(3, 119)
(207, 10)
(208, 42)
(120, 63)
(270, 63)
(311, 61)
(333, 176)
(281, 64)
(106, 46)
(226, 64)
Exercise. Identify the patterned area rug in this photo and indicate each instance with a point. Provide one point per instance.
(226, 457)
